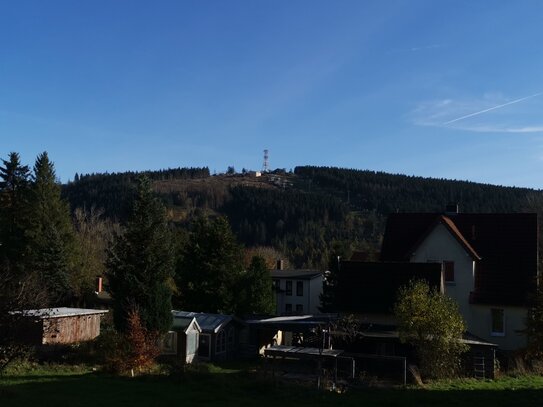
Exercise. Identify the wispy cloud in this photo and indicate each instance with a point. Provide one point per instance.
(487, 114)
(491, 108)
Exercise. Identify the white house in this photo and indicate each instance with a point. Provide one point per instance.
(489, 262)
(297, 291)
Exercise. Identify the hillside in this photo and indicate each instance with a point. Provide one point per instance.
(306, 214)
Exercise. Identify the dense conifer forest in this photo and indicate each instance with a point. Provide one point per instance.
(303, 214)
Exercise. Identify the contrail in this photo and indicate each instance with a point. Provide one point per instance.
(492, 108)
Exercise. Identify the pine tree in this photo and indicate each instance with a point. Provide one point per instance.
(256, 289)
(210, 268)
(140, 265)
(50, 233)
(14, 185)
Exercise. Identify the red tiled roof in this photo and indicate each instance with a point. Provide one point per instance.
(505, 247)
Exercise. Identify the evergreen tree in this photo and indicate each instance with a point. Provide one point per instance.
(256, 289)
(50, 233)
(14, 184)
(210, 268)
(140, 265)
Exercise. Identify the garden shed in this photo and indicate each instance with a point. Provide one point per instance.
(59, 326)
(219, 336)
(182, 339)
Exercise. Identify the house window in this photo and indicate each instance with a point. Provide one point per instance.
(448, 268)
(289, 288)
(498, 322)
(288, 308)
(276, 285)
(299, 309)
(299, 288)
(220, 344)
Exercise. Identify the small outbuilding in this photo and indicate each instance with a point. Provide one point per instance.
(59, 326)
(219, 336)
(182, 339)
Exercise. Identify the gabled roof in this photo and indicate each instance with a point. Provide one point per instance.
(372, 287)
(211, 323)
(453, 230)
(505, 247)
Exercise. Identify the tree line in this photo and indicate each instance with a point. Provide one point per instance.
(51, 256)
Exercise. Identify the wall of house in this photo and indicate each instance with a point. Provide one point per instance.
(310, 300)
(315, 291)
(514, 321)
(72, 329)
(441, 246)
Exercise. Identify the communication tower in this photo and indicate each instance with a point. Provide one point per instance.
(266, 164)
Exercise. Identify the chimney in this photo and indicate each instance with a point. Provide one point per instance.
(452, 208)
(280, 264)
(99, 287)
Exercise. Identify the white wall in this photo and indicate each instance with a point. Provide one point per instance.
(310, 300)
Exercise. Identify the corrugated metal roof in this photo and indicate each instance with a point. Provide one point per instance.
(207, 322)
(44, 313)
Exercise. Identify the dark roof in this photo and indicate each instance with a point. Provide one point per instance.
(207, 322)
(373, 286)
(296, 274)
(293, 323)
(505, 247)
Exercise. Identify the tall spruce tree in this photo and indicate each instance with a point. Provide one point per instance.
(140, 265)
(256, 290)
(210, 269)
(14, 185)
(50, 233)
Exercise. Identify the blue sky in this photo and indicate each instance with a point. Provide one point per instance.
(448, 89)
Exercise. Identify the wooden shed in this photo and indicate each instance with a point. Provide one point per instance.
(219, 336)
(182, 339)
(59, 326)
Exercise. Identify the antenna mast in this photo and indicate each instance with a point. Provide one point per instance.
(265, 164)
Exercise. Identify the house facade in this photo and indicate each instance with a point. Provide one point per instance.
(489, 264)
(297, 292)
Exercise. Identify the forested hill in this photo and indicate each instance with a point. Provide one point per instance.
(306, 215)
(386, 193)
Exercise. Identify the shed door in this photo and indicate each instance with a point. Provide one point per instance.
(192, 343)
(204, 346)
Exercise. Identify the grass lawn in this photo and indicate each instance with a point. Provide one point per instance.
(80, 386)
